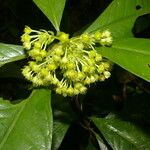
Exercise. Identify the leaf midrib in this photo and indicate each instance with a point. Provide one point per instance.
(13, 124)
(54, 17)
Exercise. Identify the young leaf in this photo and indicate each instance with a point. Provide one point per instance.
(133, 54)
(27, 125)
(122, 135)
(120, 16)
(10, 53)
(53, 9)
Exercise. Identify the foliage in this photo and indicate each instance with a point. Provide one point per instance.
(112, 115)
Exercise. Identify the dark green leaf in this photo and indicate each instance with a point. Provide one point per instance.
(59, 130)
(90, 146)
(123, 135)
(53, 9)
(133, 54)
(101, 143)
(120, 16)
(10, 53)
(63, 117)
(27, 125)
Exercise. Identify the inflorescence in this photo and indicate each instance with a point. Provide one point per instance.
(68, 64)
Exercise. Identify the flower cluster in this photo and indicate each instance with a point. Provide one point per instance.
(68, 64)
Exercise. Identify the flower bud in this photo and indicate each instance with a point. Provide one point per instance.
(80, 76)
(32, 64)
(107, 74)
(85, 69)
(85, 37)
(70, 65)
(27, 30)
(106, 65)
(97, 35)
(51, 66)
(38, 58)
(40, 82)
(37, 45)
(92, 79)
(63, 37)
(71, 74)
(83, 90)
(43, 72)
(43, 53)
(106, 34)
(27, 45)
(59, 51)
(100, 68)
(70, 91)
(26, 71)
(34, 52)
(78, 85)
(87, 80)
(106, 41)
(92, 69)
(98, 58)
(56, 58)
(64, 60)
(44, 37)
(25, 38)
(101, 78)
(55, 81)
(58, 90)
(92, 54)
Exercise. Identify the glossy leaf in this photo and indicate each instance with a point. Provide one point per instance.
(53, 9)
(27, 125)
(59, 130)
(120, 16)
(63, 118)
(122, 135)
(132, 54)
(100, 142)
(10, 53)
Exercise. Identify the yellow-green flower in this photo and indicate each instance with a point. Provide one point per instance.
(69, 64)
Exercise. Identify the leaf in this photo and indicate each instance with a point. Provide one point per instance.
(63, 118)
(27, 125)
(100, 142)
(90, 146)
(53, 9)
(120, 16)
(59, 130)
(10, 53)
(122, 135)
(133, 54)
